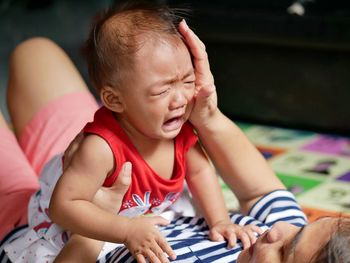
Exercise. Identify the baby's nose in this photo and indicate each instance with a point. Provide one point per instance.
(179, 99)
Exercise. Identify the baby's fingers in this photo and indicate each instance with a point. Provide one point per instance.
(150, 255)
(167, 249)
(215, 236)
(245, 238)
(158, 220)
(156, 257)
(252, 230)
(140, 258)
(231, 238)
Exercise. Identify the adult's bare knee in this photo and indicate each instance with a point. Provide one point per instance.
(31, 48)
(22, 63)
(33, 56)
(32, 64)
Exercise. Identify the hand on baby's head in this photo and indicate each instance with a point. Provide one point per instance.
(205, 97)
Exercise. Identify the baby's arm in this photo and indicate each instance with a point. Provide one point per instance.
(82, 249)
(207, 194)
(72, 207)
(79, 249)
(240, 164)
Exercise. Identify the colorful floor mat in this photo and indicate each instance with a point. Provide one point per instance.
(315, 167)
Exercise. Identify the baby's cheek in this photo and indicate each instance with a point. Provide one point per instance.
(190, 105)
(190, 97)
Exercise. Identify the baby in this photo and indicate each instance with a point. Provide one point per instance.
(140, 62)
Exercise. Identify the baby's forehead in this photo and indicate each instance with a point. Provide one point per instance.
(140, 22)
(156, 38)
(150, 42)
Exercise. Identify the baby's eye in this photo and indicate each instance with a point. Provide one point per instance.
(189, 83)
(159, 93)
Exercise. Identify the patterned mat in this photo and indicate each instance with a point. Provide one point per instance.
(315, 167)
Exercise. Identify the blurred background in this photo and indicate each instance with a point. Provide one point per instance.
(283, 63)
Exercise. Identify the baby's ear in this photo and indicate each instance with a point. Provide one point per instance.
(112, 99)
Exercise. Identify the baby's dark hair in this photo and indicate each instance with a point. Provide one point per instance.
(119, 32)
(337, 249)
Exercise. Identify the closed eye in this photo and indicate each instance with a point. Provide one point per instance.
(189, 83)
(162, 92)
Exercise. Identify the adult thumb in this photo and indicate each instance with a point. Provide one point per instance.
(124, 176)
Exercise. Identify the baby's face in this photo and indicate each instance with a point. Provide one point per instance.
(159, 97)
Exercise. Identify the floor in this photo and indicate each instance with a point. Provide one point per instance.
(315, 167)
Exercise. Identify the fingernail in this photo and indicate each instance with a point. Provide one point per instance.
(127, 167)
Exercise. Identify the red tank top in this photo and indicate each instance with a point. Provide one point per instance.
(148, 192)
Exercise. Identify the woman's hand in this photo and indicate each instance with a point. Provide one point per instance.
(107, 198)
(110, 198)
(205, 95)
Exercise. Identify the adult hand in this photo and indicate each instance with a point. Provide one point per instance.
(107, 198)
(205, 93)
(110, 198)
(144, 240)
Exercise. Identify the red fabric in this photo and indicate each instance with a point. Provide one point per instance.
(146, 187)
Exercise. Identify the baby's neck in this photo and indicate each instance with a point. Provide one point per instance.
(142, 142)
(157, 153)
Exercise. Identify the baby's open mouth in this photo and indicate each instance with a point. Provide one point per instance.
(173, 123)
(168, 122)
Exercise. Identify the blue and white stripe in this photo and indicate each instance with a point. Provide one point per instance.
(188, 236)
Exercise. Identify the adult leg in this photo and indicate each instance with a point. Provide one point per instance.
(48, 100)
(18, 181)
(48, 104)
(40, 72)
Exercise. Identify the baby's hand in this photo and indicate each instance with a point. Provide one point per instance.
(205, 95)
(232, 232)
(144, 240)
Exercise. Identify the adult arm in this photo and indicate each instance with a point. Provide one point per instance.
(239, 163)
